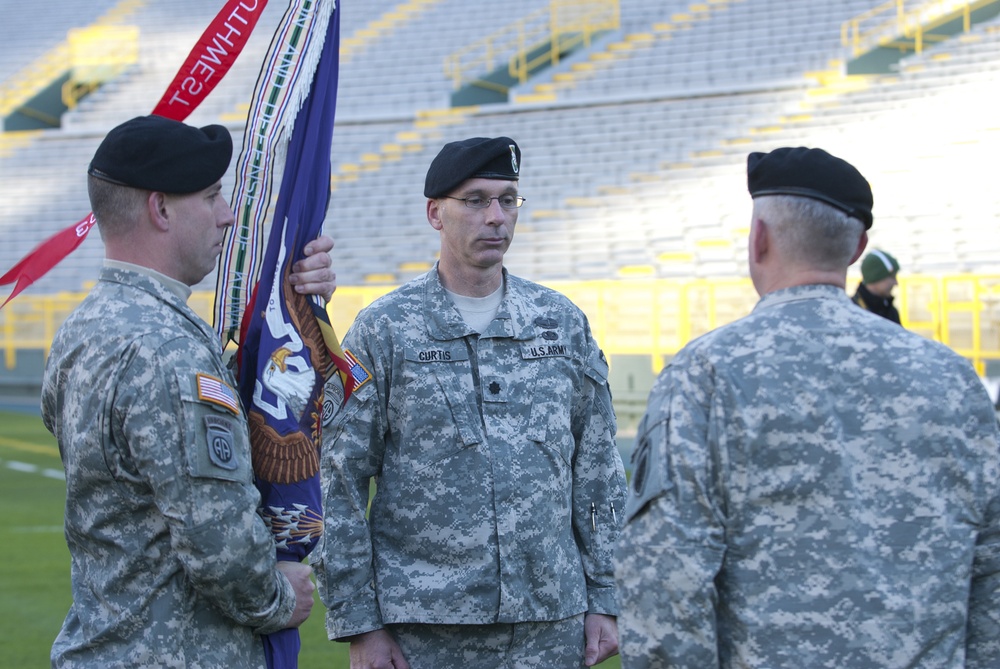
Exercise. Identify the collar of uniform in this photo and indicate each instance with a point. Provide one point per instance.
(813, 291)
(173, 285)
(444, 322)
(134, 276)
(516, 309)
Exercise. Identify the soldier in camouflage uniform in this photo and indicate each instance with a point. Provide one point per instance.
(482, 411)
(171, 565)
(812, 486)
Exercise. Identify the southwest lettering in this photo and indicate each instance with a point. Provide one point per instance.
(176, 98)
(213, 55)
(201, 66)
(192, 85)
(84, 226)
(215, 52)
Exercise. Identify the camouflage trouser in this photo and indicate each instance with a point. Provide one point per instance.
(535, 645)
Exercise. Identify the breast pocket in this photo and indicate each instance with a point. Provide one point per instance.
(433, 411)
(550, 423)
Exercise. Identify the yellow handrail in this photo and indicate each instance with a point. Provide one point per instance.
(483, 55)
(98, 54)
(564, 24)
(649, 316)
(34, 78)
(572, 23)
(913, 20)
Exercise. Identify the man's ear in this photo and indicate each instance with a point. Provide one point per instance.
(159, 213)
(862, 245)
(434, 213)
(760, 240)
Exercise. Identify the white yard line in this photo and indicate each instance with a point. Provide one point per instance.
(29, 468)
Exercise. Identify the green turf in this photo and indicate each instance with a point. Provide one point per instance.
(34, 579)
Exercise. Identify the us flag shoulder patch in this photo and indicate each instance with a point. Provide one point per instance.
(360, 375)
(216, 391)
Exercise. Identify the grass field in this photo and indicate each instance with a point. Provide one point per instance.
(34, 578)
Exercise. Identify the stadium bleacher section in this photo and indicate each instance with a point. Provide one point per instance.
(634, 148)
(634, 163)
(27, 33)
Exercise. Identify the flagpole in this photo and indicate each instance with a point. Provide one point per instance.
(287, 347)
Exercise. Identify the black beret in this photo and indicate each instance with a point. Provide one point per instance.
(477, 157)
(158, 154)
(811, 173)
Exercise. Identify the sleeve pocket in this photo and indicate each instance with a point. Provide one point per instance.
(649, 463)
(217, 442)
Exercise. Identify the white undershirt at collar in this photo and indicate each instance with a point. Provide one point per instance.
(478, 312)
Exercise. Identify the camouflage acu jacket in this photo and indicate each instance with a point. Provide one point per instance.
(500, 487)
(171, 565)
(813, 487)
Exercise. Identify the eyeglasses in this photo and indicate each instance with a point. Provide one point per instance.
(480, 202)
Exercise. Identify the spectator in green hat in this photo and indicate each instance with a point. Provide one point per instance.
(878, 278)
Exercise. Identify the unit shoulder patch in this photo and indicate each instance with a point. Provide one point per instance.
(221, 448)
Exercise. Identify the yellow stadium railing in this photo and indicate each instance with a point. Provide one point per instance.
(562, 26)
(911, 20)
(649, 317)
(98, 54)
(31, 80)
(572, 24)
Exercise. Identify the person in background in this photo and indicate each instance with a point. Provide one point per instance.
(812, 486)
(878, 278)
(171, 564)
(483, 413)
